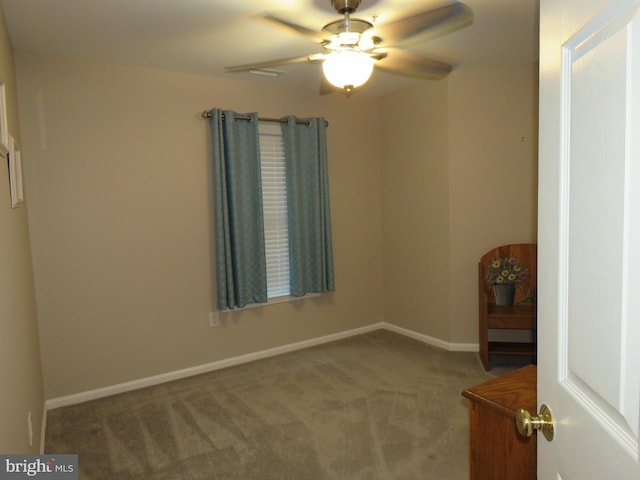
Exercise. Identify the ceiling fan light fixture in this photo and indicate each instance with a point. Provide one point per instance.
(348, 68)
(366, 43)
(347, 38)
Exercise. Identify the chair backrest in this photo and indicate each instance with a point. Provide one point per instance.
(527, 255)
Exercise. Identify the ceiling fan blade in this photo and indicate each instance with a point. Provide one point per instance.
(274, 63)
(401, 62)
(307, 32)
(426, 25)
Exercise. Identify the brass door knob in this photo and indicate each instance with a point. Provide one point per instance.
(526, 424)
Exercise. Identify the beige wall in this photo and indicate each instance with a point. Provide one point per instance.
(415, 197)
(423, 181)
(120, 220)
(20, 372)
(492, 176)
(459, 178)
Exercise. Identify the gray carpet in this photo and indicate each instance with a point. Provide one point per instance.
(374, 406)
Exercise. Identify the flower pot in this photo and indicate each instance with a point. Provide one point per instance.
(505, 294)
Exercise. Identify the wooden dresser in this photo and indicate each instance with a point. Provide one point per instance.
(497, 450)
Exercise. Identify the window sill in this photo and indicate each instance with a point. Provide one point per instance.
(272, 301)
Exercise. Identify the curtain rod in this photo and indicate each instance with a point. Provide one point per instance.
(206, 114)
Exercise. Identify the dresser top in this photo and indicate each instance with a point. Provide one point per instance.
(507, 393)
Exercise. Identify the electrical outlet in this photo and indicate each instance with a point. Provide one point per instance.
(214, 319)
(30, 426)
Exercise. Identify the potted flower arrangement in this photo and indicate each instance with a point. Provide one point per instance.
(505, 274)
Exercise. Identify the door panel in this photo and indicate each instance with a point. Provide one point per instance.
(595, 201)
(589, 238)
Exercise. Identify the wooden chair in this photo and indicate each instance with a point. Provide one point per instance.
(519, 316)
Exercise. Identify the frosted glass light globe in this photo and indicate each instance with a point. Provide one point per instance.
(348, 68)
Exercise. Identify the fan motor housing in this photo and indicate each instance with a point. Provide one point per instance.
(345, 6)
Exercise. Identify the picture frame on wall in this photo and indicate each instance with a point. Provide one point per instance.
(4, 122)
(19, 178)
(16, 185)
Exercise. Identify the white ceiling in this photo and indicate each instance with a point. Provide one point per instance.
(204, 36)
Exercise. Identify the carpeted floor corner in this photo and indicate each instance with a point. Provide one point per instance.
(375, 406)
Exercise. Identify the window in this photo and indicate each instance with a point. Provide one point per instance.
(274, 204)
(267, 178)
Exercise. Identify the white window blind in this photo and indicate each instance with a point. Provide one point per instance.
(274, 201)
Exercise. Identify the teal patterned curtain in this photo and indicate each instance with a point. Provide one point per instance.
(310, 249)
(239, 231)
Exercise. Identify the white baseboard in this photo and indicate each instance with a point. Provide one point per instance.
(197, 370)
(250, 357)
(435, 342)
(43, 428)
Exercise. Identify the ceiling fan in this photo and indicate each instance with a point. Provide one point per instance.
(353, 45)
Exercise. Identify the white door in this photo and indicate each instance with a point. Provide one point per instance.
(589, 238)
